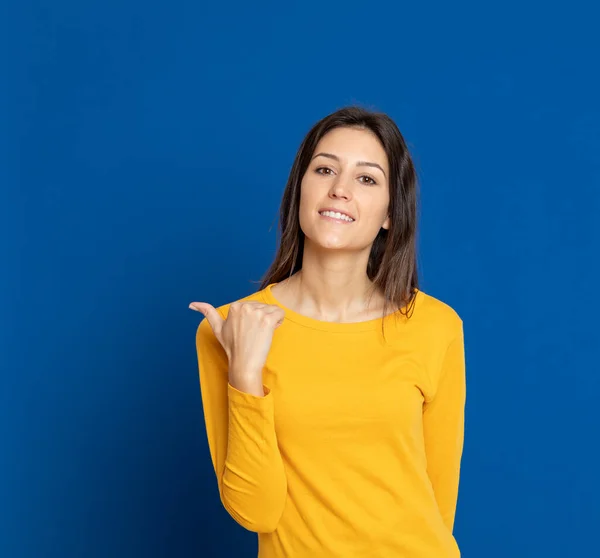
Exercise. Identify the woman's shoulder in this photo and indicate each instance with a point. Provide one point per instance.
(431, 327)
(438, 316)
(441, 309)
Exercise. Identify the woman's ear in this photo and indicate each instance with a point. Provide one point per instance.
(386, 223)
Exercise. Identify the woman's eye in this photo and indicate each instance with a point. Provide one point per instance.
(321, 170)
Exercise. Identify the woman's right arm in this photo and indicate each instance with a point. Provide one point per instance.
(241, 436)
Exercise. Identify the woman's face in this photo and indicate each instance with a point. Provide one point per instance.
(348, 172)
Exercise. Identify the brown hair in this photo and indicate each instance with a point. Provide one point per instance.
(392, 265)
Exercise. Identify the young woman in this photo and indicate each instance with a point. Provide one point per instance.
(334, 396)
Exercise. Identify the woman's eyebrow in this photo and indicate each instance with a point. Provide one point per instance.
(358, 163)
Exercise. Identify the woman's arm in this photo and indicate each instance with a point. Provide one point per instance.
(241, 436)
(443, 423)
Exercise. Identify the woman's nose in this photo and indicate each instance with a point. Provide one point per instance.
(340, 189)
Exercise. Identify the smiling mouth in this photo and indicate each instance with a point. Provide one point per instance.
(336, 217)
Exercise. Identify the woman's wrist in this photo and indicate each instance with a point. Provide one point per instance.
(246, 382)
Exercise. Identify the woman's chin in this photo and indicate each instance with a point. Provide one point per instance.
(329, 242)
(332, 244)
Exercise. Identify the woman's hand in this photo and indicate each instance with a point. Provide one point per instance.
(246, 335)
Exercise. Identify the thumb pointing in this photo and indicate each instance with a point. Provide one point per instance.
(211, 314)
(198, 307)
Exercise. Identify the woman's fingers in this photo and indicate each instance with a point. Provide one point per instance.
(272, 313)
(276, 314)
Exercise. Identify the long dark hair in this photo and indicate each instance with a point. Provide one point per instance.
(392, 265)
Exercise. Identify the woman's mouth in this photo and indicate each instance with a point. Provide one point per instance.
(336, 217)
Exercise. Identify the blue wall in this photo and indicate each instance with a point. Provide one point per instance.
(147, 149)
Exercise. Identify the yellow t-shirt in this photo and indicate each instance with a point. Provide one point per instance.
(355, 449)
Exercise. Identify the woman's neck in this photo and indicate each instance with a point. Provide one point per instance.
(331, 295)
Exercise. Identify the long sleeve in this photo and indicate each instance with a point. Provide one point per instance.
(241, 436)
(443, 423)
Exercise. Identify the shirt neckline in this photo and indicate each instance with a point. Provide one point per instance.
(340, 327)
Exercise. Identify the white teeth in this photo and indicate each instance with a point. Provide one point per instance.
(336, 215)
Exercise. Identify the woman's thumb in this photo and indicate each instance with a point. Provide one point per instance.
(198, 307)
(210, 312)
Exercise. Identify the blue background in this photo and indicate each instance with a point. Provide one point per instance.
(146, 149)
